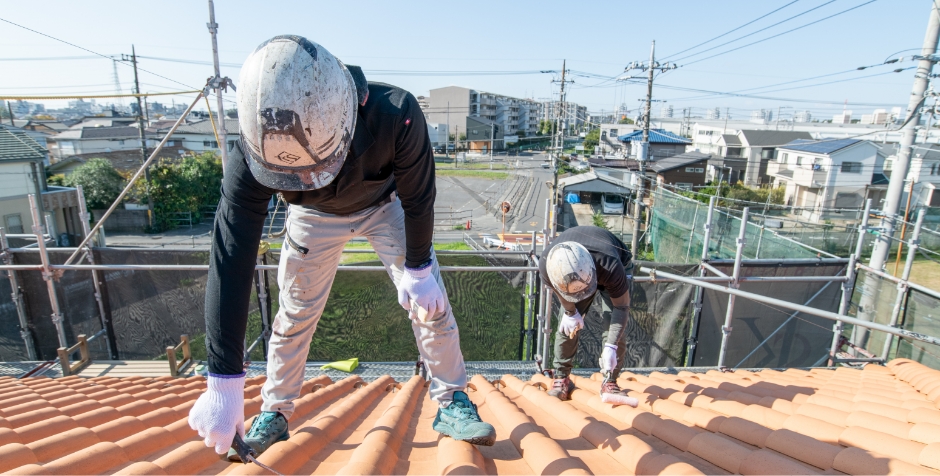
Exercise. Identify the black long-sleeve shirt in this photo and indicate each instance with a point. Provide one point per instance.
(390, 151)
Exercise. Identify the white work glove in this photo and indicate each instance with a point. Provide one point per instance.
(419, 286)
(220, 412)
(570, 325)
(608, 358)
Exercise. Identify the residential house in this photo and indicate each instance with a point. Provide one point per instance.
(607, 143)
(484, 135)
(741, 154)
(662, 144)
(822, 176)
(573, 115)
(22, 173)
(924, 172)
(91, 140)
(200, 136)
(685, 170)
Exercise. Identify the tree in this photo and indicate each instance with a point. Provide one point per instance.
(625, 120)
(545, 127)
(183, 186)
(99, 180)
(591, 139)
(231, 113)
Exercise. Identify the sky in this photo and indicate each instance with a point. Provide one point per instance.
(514, 48)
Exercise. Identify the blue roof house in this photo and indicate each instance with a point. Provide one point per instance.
(826, 177)
(662, 144)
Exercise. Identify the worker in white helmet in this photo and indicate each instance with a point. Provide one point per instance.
(353, 159)
(579, 264)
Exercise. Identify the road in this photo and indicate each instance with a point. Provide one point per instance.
(458, 199)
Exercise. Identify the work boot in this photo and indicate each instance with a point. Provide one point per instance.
(461, 422)
(561, 388)
(267, 428)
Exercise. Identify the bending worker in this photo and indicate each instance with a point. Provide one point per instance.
(579, 264)
(353, 159)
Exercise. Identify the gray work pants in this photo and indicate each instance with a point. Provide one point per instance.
(305, 280)
(566, 347)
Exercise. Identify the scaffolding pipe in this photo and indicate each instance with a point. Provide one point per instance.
(848, 286)
(699, 294)
(930, 292)
(735, 276)
(903, 285)
(47, 272)
(346, 250)
(795, 307)
(84, 216)
(530, 296)
(783, 261)
(133, 179)
(17, 298)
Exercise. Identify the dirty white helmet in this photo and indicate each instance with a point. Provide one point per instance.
(571, 270)
(297, 113)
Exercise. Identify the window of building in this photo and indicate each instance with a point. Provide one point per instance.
(699, 170)
(121, 142)
(690, 169)
(613, 132)
(767, 153)
(935, 169)
(934, 198)
(851, 167)
(210, 143)
(13, 223)
(684, 185)
(782, 158)
(799, 160)
(733, 152)
(231, 145)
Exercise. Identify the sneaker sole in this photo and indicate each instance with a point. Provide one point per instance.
(480, 440)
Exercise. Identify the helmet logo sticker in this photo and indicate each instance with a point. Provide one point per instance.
(283, 122)
(287, 157)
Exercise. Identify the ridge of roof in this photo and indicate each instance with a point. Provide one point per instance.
(876, 420)
(657, 136)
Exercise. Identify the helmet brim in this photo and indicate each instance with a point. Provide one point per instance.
(580, 296)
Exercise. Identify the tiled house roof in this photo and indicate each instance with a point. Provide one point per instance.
(880, 420)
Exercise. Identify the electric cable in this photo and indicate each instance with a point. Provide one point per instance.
(734, 30)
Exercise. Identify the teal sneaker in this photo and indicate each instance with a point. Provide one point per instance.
(460, 421)
(267, 428)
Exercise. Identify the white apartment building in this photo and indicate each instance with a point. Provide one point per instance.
(451, 106)
(574, 115)
(821, 176)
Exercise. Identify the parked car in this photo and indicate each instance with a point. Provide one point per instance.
(546, 165)
(612, 204)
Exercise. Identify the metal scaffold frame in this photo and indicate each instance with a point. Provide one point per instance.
(538, 295)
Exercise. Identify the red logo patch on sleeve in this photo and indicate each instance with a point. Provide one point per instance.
(408, 122)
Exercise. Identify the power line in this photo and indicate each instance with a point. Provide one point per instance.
(734, 30)
(758, 31)
(781, 34)
(92, 52)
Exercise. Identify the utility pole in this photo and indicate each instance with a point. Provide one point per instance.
(882, 246)
(903, 162)
(219, 84)
(141, 135)
(10, 110)
(447, 138)
(643, 154)
(556, 150)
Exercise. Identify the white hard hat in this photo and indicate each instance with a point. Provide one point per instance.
(571, 270)
(297, 113)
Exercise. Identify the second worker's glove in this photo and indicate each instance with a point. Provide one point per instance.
(570, 325)
(220, 412)
(608, 360)
(419, 286)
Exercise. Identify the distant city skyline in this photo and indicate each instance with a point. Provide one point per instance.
(415, 47)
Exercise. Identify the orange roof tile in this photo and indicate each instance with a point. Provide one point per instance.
(879, 420)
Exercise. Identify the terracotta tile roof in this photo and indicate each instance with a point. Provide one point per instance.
(880, 420)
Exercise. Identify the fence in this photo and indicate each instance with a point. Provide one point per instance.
(681, 314)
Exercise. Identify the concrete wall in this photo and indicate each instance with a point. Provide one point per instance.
(459, 100)
(16, 179)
